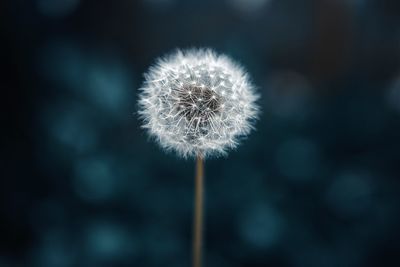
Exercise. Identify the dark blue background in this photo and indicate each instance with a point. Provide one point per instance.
(317, 184)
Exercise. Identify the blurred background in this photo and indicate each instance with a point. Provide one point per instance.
(317, 184)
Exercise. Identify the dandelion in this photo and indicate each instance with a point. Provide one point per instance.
(198, 104)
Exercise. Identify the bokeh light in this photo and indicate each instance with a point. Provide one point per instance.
(262, 227)
(59, 8)
(108, 243)
(393, 95)
(350, 194)
(95, 179)
(249, 7)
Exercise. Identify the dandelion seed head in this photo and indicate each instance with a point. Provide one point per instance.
(197, 103)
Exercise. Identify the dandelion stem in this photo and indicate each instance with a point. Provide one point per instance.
(198, 213)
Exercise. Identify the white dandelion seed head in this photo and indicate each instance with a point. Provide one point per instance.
(197, 103)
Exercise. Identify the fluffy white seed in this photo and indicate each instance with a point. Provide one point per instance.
(197, 103)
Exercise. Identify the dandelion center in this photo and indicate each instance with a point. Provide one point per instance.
(198, 104)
